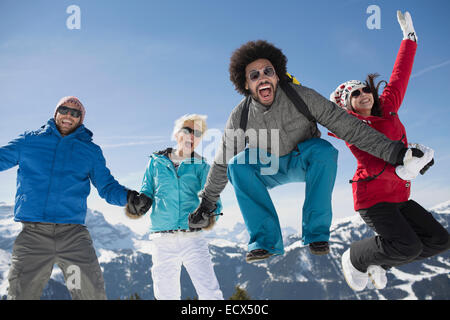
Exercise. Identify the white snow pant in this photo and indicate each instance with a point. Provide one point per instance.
(169, 252)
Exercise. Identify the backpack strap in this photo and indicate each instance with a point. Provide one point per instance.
(295, 97)
(244, 114)
(292, 78)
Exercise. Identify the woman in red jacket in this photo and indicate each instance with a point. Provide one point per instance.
(405, 231)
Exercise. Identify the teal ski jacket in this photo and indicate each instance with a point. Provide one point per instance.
(174, 191)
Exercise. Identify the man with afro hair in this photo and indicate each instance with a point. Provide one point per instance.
(258, 71)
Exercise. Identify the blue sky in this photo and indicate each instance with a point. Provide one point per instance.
(139, 65)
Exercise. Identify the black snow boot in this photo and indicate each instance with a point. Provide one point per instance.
(319, 248)
(257, 254)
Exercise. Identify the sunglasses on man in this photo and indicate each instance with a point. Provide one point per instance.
(73, 112)
(255, 74)
(187, 130)
(357, 93)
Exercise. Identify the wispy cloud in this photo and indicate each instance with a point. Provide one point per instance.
(129, 141)
(430, 68)
(128, 144)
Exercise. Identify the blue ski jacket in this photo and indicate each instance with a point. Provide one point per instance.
(174, 191)
(55, 172)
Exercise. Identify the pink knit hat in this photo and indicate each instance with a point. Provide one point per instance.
(341, 96)
(72, 102)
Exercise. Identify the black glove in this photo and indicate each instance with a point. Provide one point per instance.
(203, 216)
(401, 155)
(137, 204)
(424, 169)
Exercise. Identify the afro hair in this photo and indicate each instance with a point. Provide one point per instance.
(252, 51)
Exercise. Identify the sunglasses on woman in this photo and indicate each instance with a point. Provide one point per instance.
(73, 112)
(255, 74)
(357, 93)
(187, 130)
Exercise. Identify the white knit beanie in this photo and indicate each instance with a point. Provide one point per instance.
(341, 96)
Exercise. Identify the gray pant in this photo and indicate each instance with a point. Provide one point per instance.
(39, 246)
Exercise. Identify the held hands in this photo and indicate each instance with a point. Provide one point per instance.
(137, 204)
(417, 159)
(203, 217)
(406, 24)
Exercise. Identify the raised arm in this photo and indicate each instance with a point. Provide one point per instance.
(395, 90)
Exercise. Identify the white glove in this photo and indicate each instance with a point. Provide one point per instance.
(412, 165)
(406, 24)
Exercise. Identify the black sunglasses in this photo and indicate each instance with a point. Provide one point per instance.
(188, 130)
(73, 112)
(255, 74)
(357, 93)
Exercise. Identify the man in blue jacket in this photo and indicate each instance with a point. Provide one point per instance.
(57, 163)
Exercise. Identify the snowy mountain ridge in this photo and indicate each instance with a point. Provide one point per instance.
(125, 258)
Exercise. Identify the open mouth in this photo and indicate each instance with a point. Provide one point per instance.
(66, 123)
(265, 92)
(189, 144)
(365, 101)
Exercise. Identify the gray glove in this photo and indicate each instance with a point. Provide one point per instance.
(406, 24)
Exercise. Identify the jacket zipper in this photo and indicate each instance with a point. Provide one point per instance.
(51, 180)
(178, 183)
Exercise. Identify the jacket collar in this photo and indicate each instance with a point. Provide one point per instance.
(165, 153)
(81, 133)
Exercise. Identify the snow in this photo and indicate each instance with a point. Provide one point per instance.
(442, 208)
(300, 278)
(144, 246)
(221, 243)
(234, 255)
(443, 261)
(295, 245)
(5, 258)
(57, 274)
(106, 256)
(434, 270)
(409, 279)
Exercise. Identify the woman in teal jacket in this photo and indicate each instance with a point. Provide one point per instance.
(172, 180)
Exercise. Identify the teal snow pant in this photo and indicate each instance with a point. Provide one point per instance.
(313, 162)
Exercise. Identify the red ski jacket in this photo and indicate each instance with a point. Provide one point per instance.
(375, 180)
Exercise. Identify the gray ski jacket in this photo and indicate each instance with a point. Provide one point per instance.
(281, 127)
